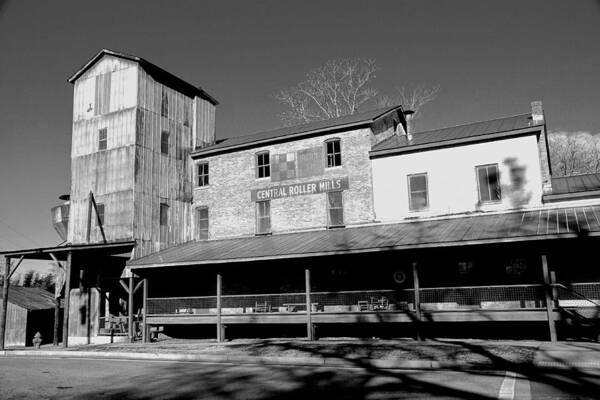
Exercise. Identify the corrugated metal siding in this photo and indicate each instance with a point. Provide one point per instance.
(524, 224)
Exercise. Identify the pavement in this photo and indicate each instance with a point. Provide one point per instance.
(401, 354)
(46, 377)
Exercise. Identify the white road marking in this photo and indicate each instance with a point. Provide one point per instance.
(507, 389)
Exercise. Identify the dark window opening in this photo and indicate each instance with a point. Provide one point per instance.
(164, 105)
(202, 179)
(488, 182)
(164, 214)
(100, 213)
(263, 217)
(418, 196)
(102, 139)
(263, 165)
(164, 142)
(202, 222)
(334, 153)
(335, 209)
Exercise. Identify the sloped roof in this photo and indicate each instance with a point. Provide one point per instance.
(454, 134)
(30, 298)
(467, 230)
(575, 183)
(348, 121)
(154, 70)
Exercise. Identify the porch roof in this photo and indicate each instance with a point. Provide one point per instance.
(555, 223)
(116, 248)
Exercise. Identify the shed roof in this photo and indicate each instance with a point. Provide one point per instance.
(288, 132)
(574, 187)
(154, 70)
(556, 223)
(30, 298)
(475, 131)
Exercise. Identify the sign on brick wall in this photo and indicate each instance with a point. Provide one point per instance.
(300, 189)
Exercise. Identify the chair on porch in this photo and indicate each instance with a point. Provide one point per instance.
(262, 307)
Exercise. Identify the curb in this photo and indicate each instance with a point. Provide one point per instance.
(256, 360)
(298, 361)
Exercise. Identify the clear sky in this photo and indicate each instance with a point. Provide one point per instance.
(491, 58)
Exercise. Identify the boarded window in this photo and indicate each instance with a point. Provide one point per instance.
(202, 174)
(488, 182)
(202, 222)
(335, 209)
(100, 213)
(164, 142)
(102, 139)
(102, 94)
(263, 217)
(418, 196)
(164, 104)
(283, 167)
(263, 165)
(334, 153)
(310, 162)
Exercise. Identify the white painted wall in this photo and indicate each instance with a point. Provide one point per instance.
(452, 178)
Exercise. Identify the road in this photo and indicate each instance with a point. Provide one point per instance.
(46, 378)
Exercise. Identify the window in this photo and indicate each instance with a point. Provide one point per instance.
(99, 213)
(335, 209)
(164, 225)
(488, 182)
(164, 142)
(102, 139)
(164, 105)
(202, 223)
(418, 198)
(202, 179)
(263, 217)
(334, 153)
(263, 165)
(186, 115)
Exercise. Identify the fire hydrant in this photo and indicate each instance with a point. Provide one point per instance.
(37, 340)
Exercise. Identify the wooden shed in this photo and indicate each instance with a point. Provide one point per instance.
(30, 310)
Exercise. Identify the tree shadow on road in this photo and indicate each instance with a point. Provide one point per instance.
(355, 378)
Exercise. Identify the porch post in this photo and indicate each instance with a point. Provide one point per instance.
(417, 299)
(549, 300)
(67, 299)
(4, 301)
(310, 333)
(145, 310)
(219, 324)
(130, 309)
(56, 320)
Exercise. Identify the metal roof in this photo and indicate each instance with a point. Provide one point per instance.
(30, 298)
(476, 229)
(60, 252)
(288, 132)
(575, 183)
(154, 70)
(576, 187)
(455, 134)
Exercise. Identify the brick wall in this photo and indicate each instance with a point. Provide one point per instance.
(233, 176)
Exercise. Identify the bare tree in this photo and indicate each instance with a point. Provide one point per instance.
(575, 153)
(412, 98)
(339, 87)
